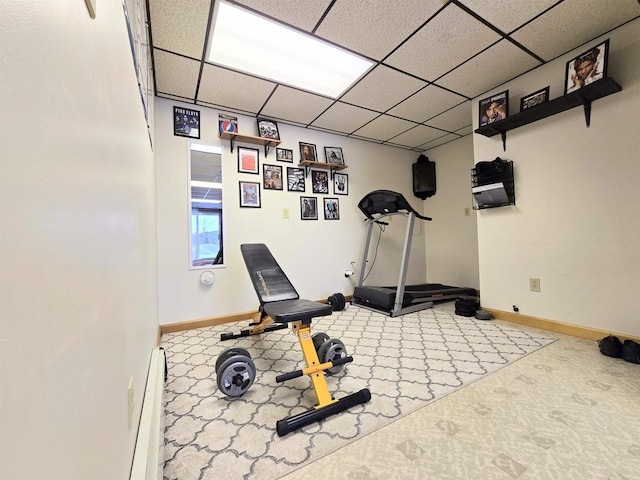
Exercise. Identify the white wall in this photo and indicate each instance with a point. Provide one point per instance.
(575, 224)
(78, 295)
(452, 236)
(314, 254)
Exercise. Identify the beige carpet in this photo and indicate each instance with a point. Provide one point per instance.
(406, 362)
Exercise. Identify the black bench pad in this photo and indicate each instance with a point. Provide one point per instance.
(293, 310)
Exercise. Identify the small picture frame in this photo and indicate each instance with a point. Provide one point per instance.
(227, 123)
(295, 179)
(308, 152)
(587, 67)
(320, 181)
(248, 160)
(186, 122)
(331, 208)
(308, 208)
(535, 98)
(272, 177)
(340, 184)
(494, 108)
(333, 155)
(284, 155)
(268, 129)
(249, 194)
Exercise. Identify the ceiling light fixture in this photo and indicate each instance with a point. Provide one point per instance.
(198, 183)
(245, 41)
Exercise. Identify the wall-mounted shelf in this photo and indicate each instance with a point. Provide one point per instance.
(238, 137)
(492, 184)
(308, 165)
(583, 96)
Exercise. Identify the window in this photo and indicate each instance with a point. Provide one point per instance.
(205, 201)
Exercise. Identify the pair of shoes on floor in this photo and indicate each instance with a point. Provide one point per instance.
(611, 346)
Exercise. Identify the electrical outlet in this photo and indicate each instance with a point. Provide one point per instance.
(534, 284)
(467, 212)
(130, 403)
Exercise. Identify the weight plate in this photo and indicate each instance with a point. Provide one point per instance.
(230, 352)
(331, 350)
(483, 315)
(235, 375)
(318, 339)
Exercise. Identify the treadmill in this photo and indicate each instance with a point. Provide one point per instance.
(401, 299)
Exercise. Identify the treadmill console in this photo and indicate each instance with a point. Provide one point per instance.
(386, 202)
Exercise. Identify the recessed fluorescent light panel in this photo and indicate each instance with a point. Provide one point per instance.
(245, 41)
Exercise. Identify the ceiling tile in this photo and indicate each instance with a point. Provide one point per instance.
(492, 67)
(225, 87)
(468, 130)
(572, 23)
(427, 103)
(417, 136)
(382, 89)
(344, 118)
(453, 119)
(295, 105)
(449, 137)
(175, 74)
(375, 28)
(303, 14)
(446, 41)
(383, 128)
(508, 15)
(180, 26)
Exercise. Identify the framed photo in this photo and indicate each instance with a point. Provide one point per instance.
(308, 208)
(295, 179)
(319, 181)
(333, 155)
(248, 160)
(186, 122)
(587, 67)
(308, 152)
(535, 98)
(340, 184)
(494, 108)
(227, 123)
(249, 194)
(331, 209)
(272, 177)
(284, 155)
(268, 129)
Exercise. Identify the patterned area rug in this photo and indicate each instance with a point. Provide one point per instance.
(406, 362)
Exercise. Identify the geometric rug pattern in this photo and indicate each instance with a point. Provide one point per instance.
(406, 362)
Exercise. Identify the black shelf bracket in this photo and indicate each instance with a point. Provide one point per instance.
(504, 141)
(587, 111)
(232, 141)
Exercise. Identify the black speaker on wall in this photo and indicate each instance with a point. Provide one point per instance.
(424, 178)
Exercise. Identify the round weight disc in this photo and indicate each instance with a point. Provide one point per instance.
(331, 350)
(341, 301)
(318, 339)
(236, 375)
(230, 352)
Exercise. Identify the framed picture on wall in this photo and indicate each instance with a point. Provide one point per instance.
(248, 160)
(494, 108)
(340, 184)
(334, 155)
(319, 181)
(186, 122)
(249, 194)
(268, 129)
(295, 179)
(308, 208)
(587, 67)
(308, 152)
(272, 177)
(331, 209)
(284, 155)
(535, 98)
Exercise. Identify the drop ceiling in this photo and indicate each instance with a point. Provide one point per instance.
(431, 57)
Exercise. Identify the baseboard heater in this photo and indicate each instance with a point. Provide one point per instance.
(148, 457)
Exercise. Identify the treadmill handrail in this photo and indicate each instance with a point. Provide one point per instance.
(386, 202)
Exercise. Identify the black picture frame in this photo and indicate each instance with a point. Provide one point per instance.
(309, 208)
(320, 181)
(308, 152)
(284, 155)
(494, 108)
(331, 208)
(333, 155)
(186, 122)
(586, 68)
(534, 99)
(272, 177)
(248, 160)
(249, 194)
(340, 184)
(296, 179)
(268, 129)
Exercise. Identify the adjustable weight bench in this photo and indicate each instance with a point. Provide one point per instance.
(280, 303)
